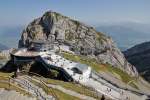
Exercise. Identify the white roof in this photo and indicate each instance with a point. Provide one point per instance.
(82, 67)
(23, 52)
(59, 61)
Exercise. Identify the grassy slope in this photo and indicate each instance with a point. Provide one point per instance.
(6, 85)
(74, 87)
(101, 67)
(63, 96)
(54, 92)
(71, 86)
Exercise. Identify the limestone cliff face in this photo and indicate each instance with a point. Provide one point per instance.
(81, 39)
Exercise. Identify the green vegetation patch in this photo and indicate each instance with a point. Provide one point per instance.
(74, 87)
(64, 96)
(134, 85)
(84, 60)
(70, 86)
(100, 36)
(123, 75)
(5, 75)
(55, 92)
(54, 73)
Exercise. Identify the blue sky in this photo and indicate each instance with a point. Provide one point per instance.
(21, 12)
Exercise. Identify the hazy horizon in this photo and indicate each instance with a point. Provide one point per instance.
(18, 14)
(92, 12)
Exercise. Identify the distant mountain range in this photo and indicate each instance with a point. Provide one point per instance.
(126, 34)
(9, 35)
(3, 47)
(139, 56)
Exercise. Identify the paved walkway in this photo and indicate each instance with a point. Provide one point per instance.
(103, 89)
(111, 91)
(13, 95)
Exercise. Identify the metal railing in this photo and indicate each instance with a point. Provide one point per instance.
(49, 89)
(94, 92)
(11, 82)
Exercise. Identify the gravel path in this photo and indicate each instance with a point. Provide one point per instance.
(13, 95)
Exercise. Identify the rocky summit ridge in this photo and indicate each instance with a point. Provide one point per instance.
(81, 39)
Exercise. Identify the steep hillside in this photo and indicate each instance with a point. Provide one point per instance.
(139, 56)
(82, 39)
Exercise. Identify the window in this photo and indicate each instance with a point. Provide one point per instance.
(76, 70)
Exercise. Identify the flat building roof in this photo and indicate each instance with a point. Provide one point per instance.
(25, 53)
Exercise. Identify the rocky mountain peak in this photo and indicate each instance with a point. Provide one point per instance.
(81, 39)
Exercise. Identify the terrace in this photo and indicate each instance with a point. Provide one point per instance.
(24, 53)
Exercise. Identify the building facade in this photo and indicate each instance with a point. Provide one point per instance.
(41, 46)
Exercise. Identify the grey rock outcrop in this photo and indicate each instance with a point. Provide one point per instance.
(81, 39)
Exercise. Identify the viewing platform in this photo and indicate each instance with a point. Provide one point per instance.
(24, 53)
